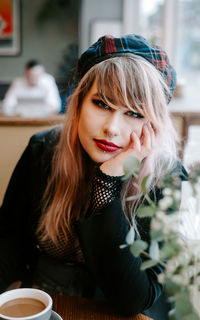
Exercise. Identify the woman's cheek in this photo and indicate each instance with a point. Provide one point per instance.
(137, 128)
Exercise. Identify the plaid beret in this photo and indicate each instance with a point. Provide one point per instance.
(129, 45)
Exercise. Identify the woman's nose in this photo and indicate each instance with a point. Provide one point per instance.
(112, 125)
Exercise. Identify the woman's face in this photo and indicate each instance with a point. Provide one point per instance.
(104, 131)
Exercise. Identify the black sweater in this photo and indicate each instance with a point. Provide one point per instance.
(115, 271)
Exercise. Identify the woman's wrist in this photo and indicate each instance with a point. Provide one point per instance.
(111, 170)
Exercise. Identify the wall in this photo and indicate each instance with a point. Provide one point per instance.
(50, 42)
(92, 10)
(46, 44)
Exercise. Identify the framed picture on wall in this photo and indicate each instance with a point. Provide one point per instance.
(10, 44)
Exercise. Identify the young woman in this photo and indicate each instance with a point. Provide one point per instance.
(65, 213)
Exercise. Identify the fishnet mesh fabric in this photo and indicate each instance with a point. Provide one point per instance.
(64, 250)
(104, 189)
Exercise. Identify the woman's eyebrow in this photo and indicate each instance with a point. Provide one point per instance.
(98, 95)
(104, 98)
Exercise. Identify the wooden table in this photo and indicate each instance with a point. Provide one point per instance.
(43, 121)
(184, 121)
(185, 110)
(74, 308)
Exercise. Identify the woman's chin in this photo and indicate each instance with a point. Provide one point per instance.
(100, 158)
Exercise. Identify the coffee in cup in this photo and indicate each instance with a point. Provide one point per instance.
(25, 304)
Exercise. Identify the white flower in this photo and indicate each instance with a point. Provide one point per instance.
(195, 297)
(161, 277)
(156, 225)
(167, 192)
(167, 222)
(181, 231)
(180, 279)
(197, 188)
(160, 215)
(177, 195)
(172, 265)
(165, 203)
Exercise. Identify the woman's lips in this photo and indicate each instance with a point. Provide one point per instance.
(106, 145)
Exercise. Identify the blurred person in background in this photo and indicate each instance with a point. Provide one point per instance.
(35, 92)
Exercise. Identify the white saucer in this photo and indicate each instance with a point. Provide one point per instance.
(55, 316)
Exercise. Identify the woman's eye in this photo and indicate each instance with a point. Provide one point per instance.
(134, 114)
(100, 104)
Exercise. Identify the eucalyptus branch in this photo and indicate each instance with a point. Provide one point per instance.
(153, 205)
(148, 256)
(170, 225)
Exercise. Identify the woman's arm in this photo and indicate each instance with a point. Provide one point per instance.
(116, 271)
(12, 222)
(20, 210)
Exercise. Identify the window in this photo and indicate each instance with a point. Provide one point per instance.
(151, 21)
(175, 25)
(188, 40)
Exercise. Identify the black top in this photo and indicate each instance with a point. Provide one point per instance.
(115, 271)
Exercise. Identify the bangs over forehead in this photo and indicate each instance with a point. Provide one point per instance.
(133, 83)
(116, 83)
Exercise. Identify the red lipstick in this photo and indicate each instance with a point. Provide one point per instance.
(106, 145)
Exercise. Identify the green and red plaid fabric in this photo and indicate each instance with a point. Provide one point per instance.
(130, 45)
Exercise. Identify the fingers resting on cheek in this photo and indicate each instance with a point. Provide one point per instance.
(142, 146)
(149, 136)
(135, 142)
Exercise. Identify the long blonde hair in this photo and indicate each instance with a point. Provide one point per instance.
(122, 81)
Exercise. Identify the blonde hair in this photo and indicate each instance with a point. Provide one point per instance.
(122, 81)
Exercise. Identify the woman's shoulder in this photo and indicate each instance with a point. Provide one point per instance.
(40, 150)
(48, 137)
(41, 145)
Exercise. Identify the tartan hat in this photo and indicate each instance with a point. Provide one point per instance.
(131, 45)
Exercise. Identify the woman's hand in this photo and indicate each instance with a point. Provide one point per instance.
(139, 148)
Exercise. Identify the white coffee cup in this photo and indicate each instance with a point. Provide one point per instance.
(31, 293)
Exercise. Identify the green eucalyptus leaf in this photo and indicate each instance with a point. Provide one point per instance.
(146, 211)
(137, 247)
(131, 166)
(170, 250)
(144, 183)
(178, 294)
(130, 236)
(172, 288)
(154, 250)
(178, 269)
(182, 303)
(135, 197)
(122, 246)
(157, 235)
(192, 316)
(172, 314)
(148, 264)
